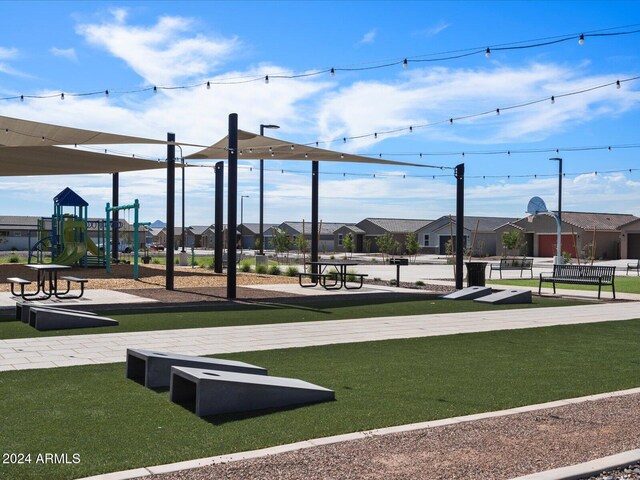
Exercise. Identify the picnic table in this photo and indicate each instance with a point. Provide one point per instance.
(46, 283)
(331, 275)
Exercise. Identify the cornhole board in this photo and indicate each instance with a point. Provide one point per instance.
(42, 318)
(153, 368)
(469, 293)
(506, 297)
(213, 392)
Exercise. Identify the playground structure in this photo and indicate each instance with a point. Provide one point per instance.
(66, 236)
(135, 206)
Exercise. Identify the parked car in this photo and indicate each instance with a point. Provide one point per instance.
(157, 246)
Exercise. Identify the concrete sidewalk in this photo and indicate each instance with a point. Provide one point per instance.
(49, 352)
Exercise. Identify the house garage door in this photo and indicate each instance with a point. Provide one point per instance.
(547, 245)
(633, 245)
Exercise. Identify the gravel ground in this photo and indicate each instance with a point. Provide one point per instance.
(150, 276)
(631, 472)
(494, 448)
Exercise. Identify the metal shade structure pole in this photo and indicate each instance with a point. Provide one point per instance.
(261, 236)
(459, 174)
(219, 213)
(315, 183)
(115, 189)
(171, 193)
(242, 197)
(232, 206)
(559, 259)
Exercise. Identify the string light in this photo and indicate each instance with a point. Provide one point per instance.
(618, 84)
(62, 96)
(487, 53)
(208, 85)
(431, 57)
(106, 93)
(553, 99)
(333, 72)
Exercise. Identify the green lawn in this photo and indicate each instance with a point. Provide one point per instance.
(307, 310)
(115, 424)
(623, 284)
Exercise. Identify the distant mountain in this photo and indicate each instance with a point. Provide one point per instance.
(158, 224)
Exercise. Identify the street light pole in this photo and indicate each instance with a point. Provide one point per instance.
(558, 259)
(262, 127)
(242, 197)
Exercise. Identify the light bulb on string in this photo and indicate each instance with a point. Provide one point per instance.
(581, 39)
(266, 79)
(106, 93)
(553, 99)
(208, 85)
(487, 53)
(62, 96)
(405, 63)
(618, 84)
(497, 111)
(333, 72)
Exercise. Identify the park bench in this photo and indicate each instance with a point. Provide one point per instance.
(581, 275)
(513, 264)
(20, 281)
(634, 266)
(69, 280)
(354, 277)
(315, 278)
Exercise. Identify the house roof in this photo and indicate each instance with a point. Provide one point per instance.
(352, 228)
(326, 228)
(15, 222)
(255, 227)
(599, 221)
(398, 225)
(486, 224)
(198, 229)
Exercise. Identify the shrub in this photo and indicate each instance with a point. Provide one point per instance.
(420, 283)
(274, 270)
(332, 257)
(245, 267)
(292, 271)
(156, 261)
(392, 282)
(351, 276)
(14, 259)
(262, 269)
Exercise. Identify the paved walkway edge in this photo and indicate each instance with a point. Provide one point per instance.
(601, 464)
(587, 469)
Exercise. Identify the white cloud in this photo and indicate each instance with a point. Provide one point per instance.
(68, 53)
(368, 37)
(8, 53)
(162, 53)
(428, 95)
(433, 30)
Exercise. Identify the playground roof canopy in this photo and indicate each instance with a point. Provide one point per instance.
(33, 148)
(252, 146)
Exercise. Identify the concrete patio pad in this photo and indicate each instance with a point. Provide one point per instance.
(90, 297)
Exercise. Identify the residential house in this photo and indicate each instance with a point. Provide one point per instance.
(250, 233)
(177, 237)
(579, 231)
(356, 233)
(326, 233)
(433, 237)
(399, 228)
(198, 232)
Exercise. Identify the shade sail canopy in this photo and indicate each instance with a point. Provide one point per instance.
(252, 146)
(18, 161)
(15, 132)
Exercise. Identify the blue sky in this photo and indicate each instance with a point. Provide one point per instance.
(73, 47)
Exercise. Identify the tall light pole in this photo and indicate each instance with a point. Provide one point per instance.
(262, 127)
(242, 197)
(558, 259)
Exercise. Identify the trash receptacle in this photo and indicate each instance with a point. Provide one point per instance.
(475, 274)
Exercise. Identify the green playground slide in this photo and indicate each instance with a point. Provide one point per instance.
(72, 253)
(92, 247)
(74, 250)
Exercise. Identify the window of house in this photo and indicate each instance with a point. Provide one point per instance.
(340, 239)
(425, 242)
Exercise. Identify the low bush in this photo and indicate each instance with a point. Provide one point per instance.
(262, 269)
(292, 271)
(274, 270)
